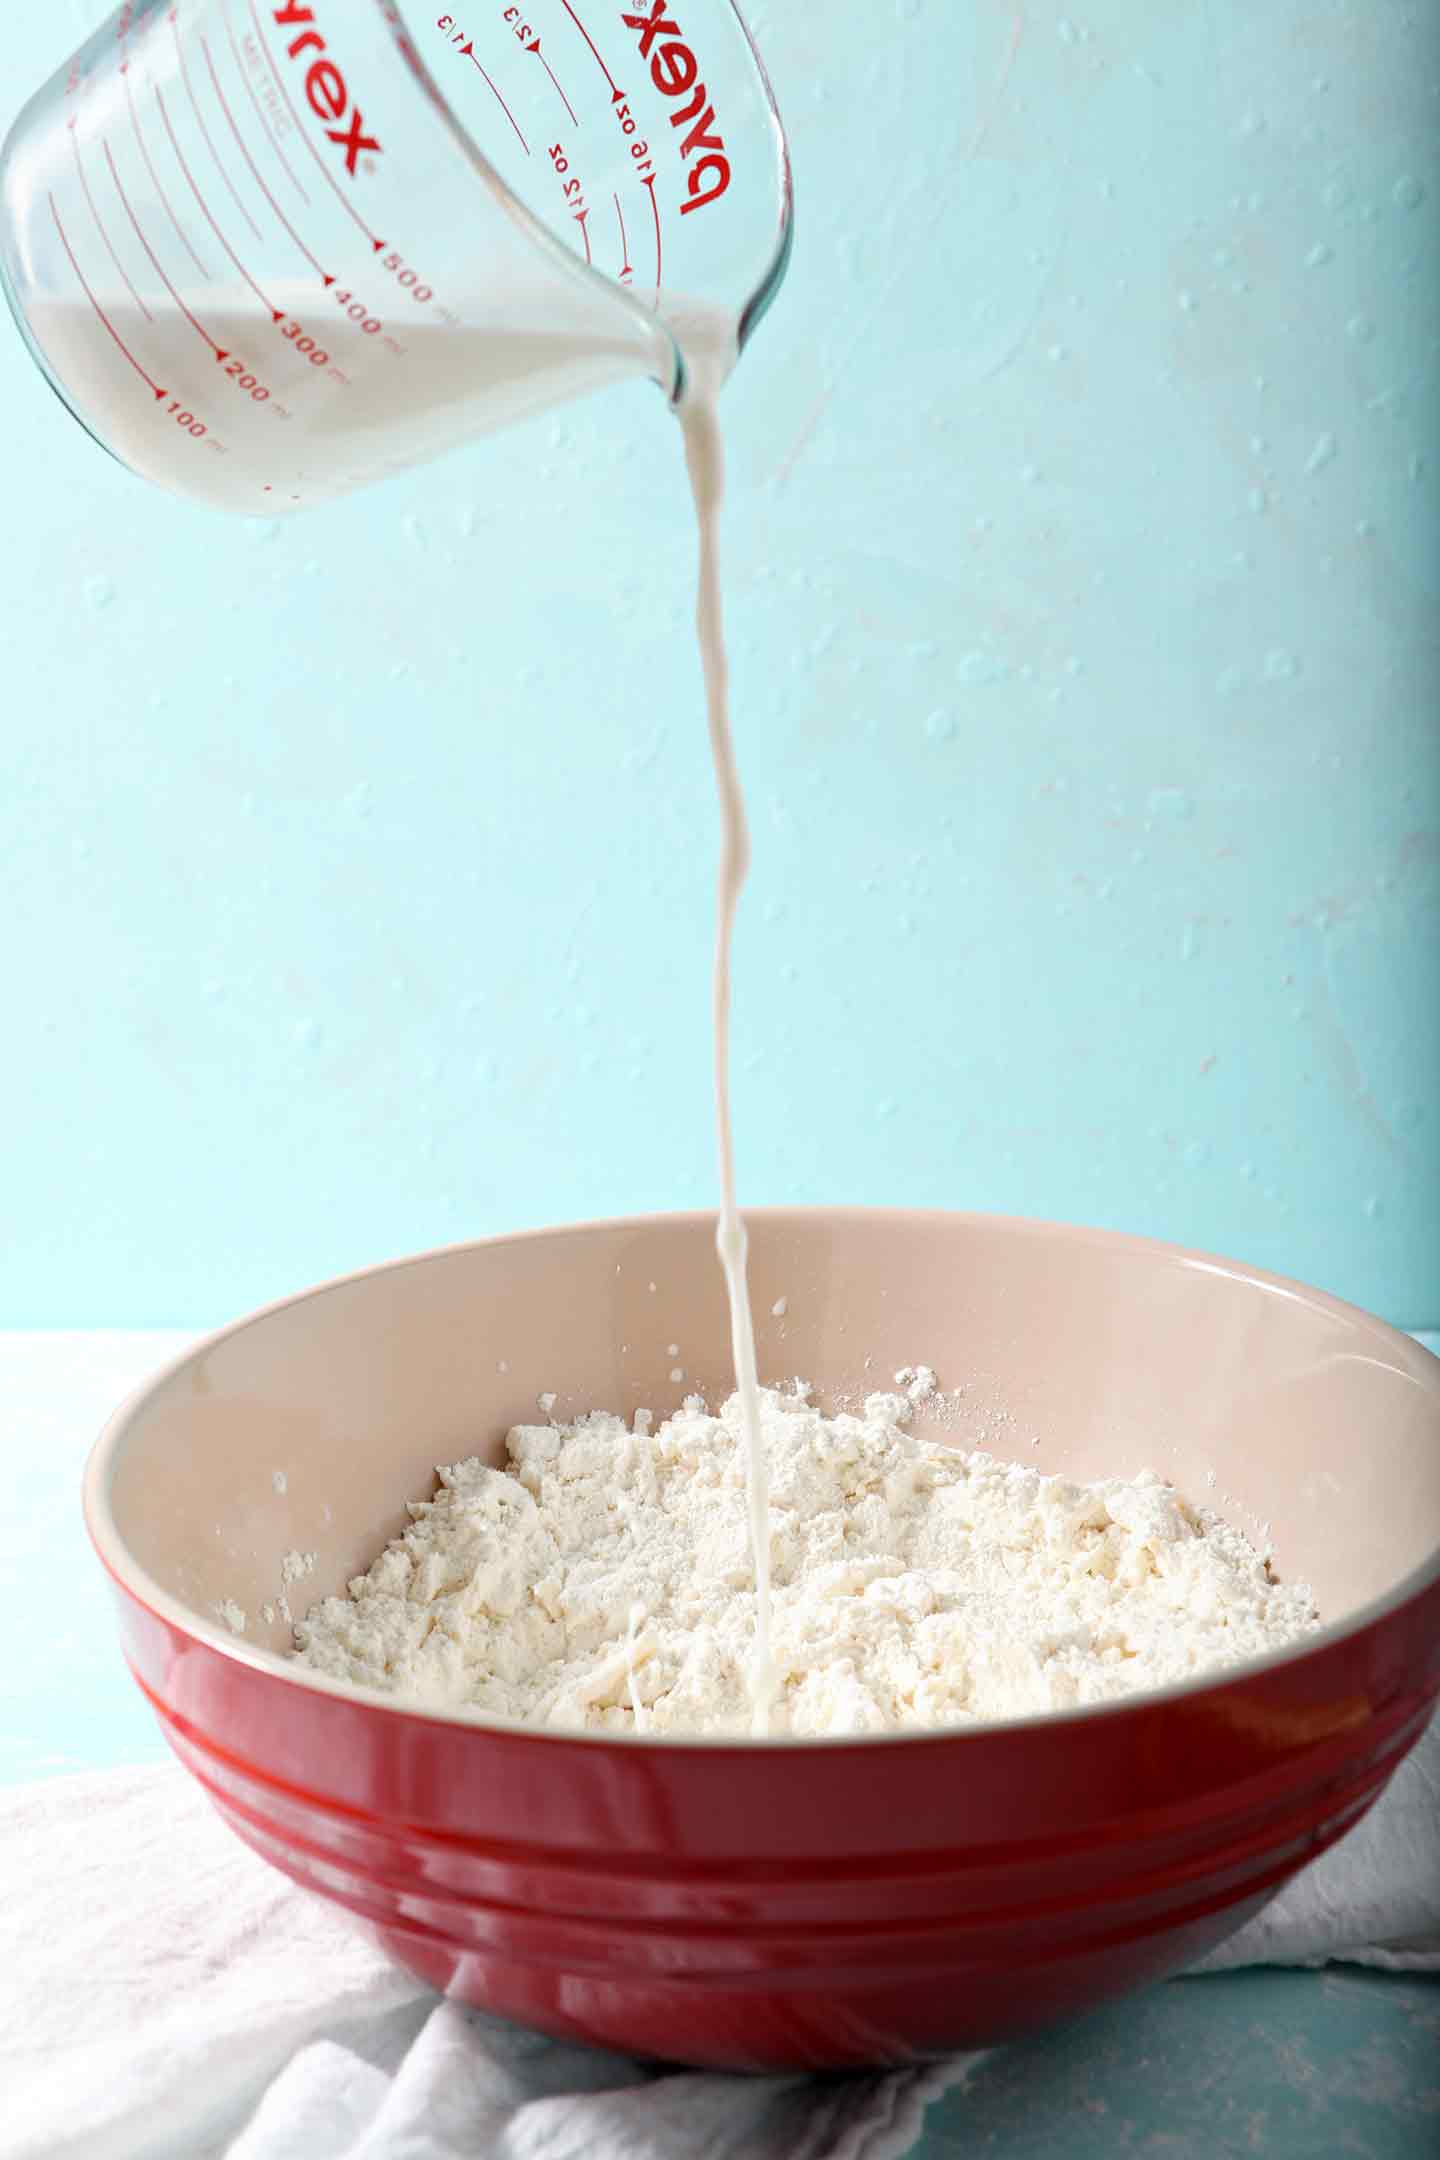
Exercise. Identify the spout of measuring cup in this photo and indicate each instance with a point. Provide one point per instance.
(667, 204)
(556, 330)
(708, 338)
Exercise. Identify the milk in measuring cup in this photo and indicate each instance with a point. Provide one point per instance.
(510, 374)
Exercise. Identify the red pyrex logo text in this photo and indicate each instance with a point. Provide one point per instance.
(674, 70)
(326, 89)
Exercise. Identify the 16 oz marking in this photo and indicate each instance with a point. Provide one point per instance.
(639, 151)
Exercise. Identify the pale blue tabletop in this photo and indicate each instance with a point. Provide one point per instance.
(1292, 2066)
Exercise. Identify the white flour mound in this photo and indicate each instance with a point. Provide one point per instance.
(605, 1581)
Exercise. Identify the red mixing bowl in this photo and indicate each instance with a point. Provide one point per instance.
(761, 1905)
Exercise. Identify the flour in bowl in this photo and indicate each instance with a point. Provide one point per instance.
(604, 1580)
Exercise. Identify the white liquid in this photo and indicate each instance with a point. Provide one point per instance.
(704, 457)
(390, 411)
(356, 430)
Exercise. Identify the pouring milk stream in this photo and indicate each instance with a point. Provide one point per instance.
(704, 457)
(269, 250)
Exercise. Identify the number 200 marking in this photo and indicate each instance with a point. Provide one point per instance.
(244, 380)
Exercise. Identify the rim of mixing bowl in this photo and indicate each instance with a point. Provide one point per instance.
(140, 1585)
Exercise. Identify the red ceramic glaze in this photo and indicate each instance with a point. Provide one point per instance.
(770, 1905)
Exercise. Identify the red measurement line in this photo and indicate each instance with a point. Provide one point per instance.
(535, 48)
(625, 263)
(582, 219)
(100, 226)
(469, 52)
(655, 207)
(155, 177)
(221, 167)
(64, 242)
(616, 92)
(277, 314)
(159, 268)
(273, 138)
(341, 197)
(259, 182)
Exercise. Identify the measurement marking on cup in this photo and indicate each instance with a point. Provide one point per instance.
(100, 225)
(467, 52)
(639, 148)
(535, 48)
(530, 39)
(306, 346)
(616, 93)
(221, 167)
(340, 196)
(571, 187)
(144, 375)
(273, 139)
(168, 206)
(644, 165)
(236, 369)
(411, 281)
(356, 310)
(159, 267)
(245, 379)
(659, 257)
(627, 268)
(582, 219)
(317, 267)
(187, 422)
(276, 314)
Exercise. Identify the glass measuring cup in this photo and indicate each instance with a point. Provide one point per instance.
(269, 250)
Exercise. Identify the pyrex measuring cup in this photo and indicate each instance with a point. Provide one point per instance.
(267, 250)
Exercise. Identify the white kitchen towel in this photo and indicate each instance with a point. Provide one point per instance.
(166, 1996)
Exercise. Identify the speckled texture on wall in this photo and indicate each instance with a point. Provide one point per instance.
(1083, 578)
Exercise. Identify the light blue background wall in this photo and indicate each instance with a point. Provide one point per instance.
(1083, 580)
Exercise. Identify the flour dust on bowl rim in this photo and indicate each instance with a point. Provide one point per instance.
(766, 1904)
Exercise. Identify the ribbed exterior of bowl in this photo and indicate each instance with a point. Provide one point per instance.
(801, 1906)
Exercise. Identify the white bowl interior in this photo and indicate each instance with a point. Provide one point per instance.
(307, 1428)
